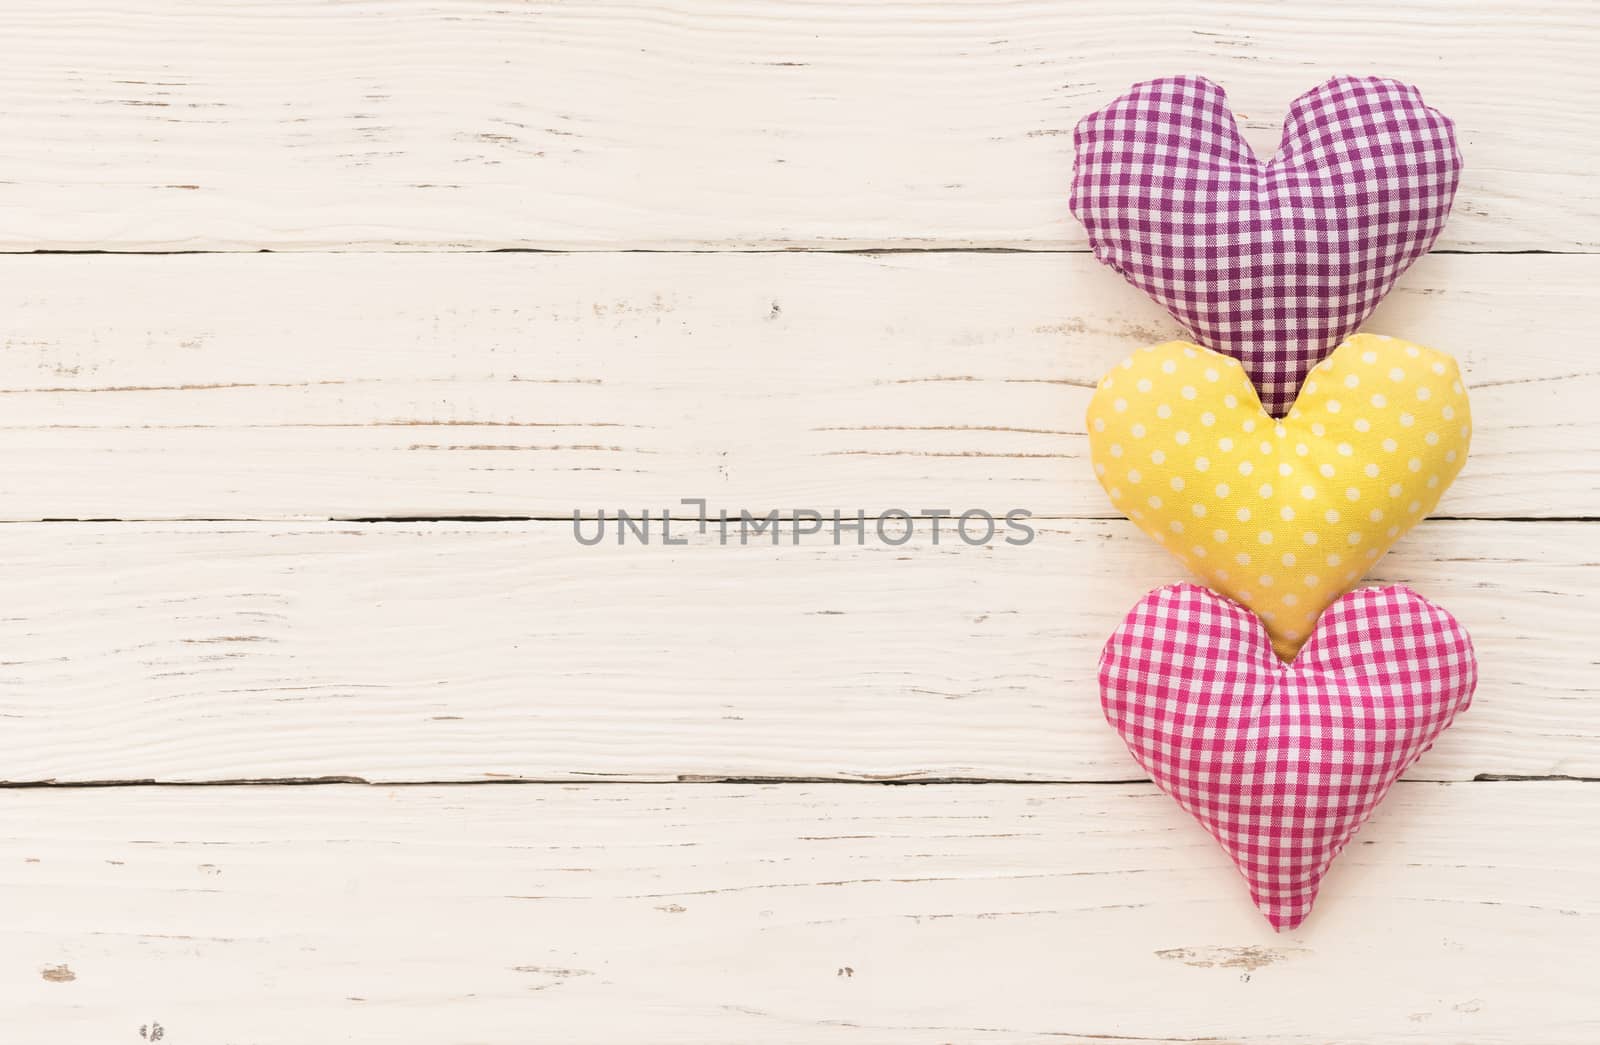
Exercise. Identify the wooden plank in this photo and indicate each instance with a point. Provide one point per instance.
(358, 386)
(452, 124)
(1463, 913)
(420, 652)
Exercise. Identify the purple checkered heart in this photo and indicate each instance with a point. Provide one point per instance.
(1272, 263)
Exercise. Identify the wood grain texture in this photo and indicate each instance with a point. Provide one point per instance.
(356, 386)
(490, 651)
(1464, 913)
(240, 124)
(281, 388)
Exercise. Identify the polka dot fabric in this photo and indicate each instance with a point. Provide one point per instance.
(1283, 763)
(1282, 516)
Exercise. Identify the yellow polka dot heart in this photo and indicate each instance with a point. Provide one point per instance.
(1284, 516)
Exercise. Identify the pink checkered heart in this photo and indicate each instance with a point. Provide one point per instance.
(1281, 763)
(1272, 263)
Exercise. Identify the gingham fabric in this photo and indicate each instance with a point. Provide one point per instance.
(1276, 263)
(1281, 763)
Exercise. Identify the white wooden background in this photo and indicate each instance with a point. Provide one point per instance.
(319, 727)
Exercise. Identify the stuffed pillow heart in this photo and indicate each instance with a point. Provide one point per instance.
(1282, 763)
(1276, 263)
(1281, 516)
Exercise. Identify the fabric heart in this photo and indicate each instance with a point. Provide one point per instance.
(1276, 263)
(1282, 516)
(1281, 764)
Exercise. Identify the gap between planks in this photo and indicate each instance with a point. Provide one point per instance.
(696, 780)
(862, 251)
(489, 520)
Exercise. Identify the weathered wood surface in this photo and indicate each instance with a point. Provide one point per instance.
(193, 652)
(263, 390)
(239, 124)
(831, 913)
(527, 385)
